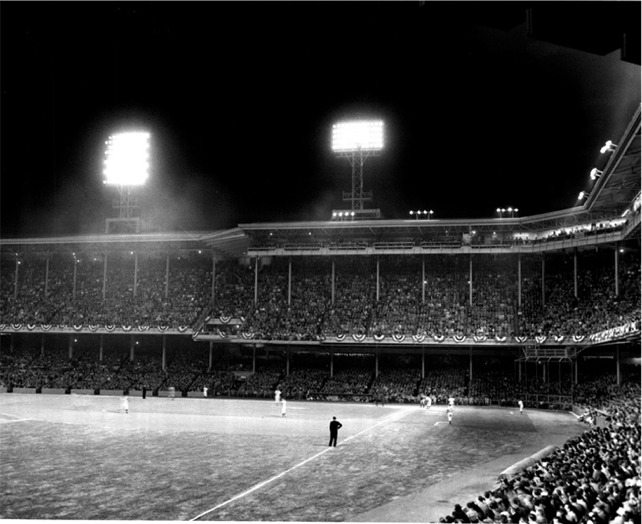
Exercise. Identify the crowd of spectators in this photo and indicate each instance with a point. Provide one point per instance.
(433, 296)
(593, 478)
(397, 378)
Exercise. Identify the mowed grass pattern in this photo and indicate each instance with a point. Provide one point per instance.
(176, 460)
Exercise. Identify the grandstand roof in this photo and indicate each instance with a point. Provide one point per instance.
(620, 182)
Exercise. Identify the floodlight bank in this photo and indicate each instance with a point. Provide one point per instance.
(127, 159)
(357, 136)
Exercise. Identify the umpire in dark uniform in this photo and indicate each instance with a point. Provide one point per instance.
(334, 431)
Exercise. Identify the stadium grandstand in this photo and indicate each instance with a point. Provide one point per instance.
(533, 297)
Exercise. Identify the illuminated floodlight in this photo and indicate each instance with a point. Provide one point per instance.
(595, 173)
(582, 195)
(607, 147)
(366, 135)
(127, 159)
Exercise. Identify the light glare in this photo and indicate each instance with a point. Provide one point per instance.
(127, 159)
(357, 136)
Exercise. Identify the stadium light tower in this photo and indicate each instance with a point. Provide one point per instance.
(127, 168)
(357, 141)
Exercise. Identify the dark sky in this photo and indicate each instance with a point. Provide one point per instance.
(240, 98)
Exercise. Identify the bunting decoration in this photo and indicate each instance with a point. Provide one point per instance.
(540, 339)
(419, 338)
(247, 336)
(93, 327)
(341, 337)
(17, 327)
(438, 338)
(379, 337)
(221, 334)
(521, 339)
(31, 327)
(500, 339)
(182, 329)
(225, 320)
(162, 329)
(358, 337)
(46, 327)
(558, 338)
(77, 327)
(398, 337)
(143, 328)
(578, 338)
(127, 329)
(110, 327)
(479, 338)
(459, 338)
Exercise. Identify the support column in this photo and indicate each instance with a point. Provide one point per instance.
(378, 278)
(287, 362)
(333, 276)
(519, 372)
(166, 279)
(575, 273)
(42, 344)
(131, 348)
(519, 280)
(254, 358)
(211, 359)
(289, 281)
(101, 347)
(105, 276)
(543, 282)
(470, 366)
(71, 347)
(75, 276)
(423, 362)
(377, 363)
(617, 363)
(47, 276)
(15, 281)
(576, 373)
(617, 272)
(256, 280)
(423, 280)
(470, 280)
(545, 372)
(164, 353)
(213, 296)
(331, 363)
(135, 272)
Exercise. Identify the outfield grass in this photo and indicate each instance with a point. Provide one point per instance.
(66, 457)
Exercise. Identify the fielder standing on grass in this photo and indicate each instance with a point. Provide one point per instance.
(521, 406)
(450, 414)
(335, 425)
(277, 396)
(124, 404)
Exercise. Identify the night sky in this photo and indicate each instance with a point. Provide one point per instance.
(240, 99)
